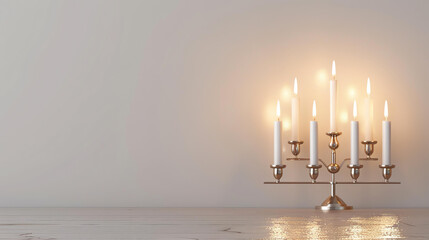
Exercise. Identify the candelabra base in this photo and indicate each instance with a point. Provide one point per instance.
(334, 203)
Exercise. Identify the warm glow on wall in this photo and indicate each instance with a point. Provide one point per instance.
(295, 87)
(368, 87)
(352, 93)
(270, 111)
(344, 117)
(322, 76)
(286, 93)
(286, 124)
(354, 110)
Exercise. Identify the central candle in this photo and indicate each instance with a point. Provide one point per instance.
(354, 138)
(368, 114)
(295, 112)
(333, 100)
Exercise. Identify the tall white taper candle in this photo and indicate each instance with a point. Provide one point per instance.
(313, 138)
(278, 138)
(333, 100)
(354, 138)
(386, 137)
(368, 113)
(295, 113)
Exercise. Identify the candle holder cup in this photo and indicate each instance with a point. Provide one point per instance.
(277, 171)
(387, 171)
(355, 171)
(314, 172)
(369, 148)
(295, 147)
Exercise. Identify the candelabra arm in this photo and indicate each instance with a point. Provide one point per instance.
(345, 160)
(324, 164)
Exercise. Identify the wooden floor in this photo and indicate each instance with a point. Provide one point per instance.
(211, 223)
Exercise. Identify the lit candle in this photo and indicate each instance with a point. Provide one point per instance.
(368, 113)
(386, 137)
(278, 138)
(354, 139)
(333, 100)
(313, 138)
(295, 112)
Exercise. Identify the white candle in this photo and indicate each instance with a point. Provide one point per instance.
(295, 113)
(368, 114)
(386, 138)
(313, 138)
(278, 138)
(333, 100)
(354, 138)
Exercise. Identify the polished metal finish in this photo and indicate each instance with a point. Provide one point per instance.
(355, 171)
(277, 171)
(314, 172)
(295, 147)
(333, 168)
(333, 143)
(369, 183)
(293, 182)
(334, 203)
(387, 171)
(299, 182)
(369, 147)
(297, 159)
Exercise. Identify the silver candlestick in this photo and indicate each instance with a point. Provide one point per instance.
(333, 202)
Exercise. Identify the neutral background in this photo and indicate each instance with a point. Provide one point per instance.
(172, 103)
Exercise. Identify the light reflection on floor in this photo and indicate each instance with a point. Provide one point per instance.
(316, 227)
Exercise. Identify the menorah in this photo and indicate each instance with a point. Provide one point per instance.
(333, 202)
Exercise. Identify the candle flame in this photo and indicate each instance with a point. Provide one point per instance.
(314, 109)
(354, 110)
(334, 70)
(278, 109)
(368, 87)
(386, 110)
(295, 87)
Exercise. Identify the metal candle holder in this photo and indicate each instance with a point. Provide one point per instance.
(295, 147)
(278, 172)
(387, 172)
(333, 202)
(369, 148)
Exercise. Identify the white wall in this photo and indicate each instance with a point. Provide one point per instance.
(171, 103)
